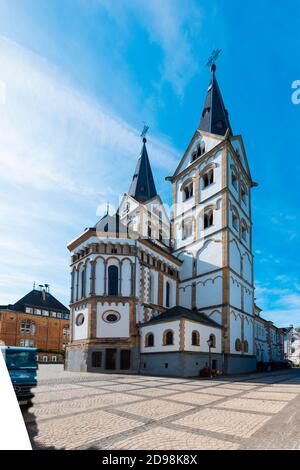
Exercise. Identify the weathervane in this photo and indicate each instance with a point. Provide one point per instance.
(212, 60)
(144, 132)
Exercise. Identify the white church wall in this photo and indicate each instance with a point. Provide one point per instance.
(235, 330)
(158, 331)
(209, 290)
(126, 277)
(99, 276)
(247, 267)
(234, 255)
(185, 295)
(186, 270)
(118, 329)
(154, 287)
(248, 301)
(215, 314)
(204, 332)
(248, 334)
(209, 256)
(235, 292)
(87, 278)
(80, 331)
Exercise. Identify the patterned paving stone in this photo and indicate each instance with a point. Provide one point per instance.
(263, 395)
(261, 406)
(80, 430)
(224, 421)
(78, 405)
(182, 387)
(240, 387)
(122, 387)
(153, 392)
(155, 409)
(41, 397)
(97, 383)
(222, 391)
(194, 398)
(161, 438)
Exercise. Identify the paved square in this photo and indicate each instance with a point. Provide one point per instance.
(110, 411)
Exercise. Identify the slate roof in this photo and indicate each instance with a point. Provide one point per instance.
(175, 313)
(142, 187)
(35, 299)
(214, 118)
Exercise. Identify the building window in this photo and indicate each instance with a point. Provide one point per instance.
(238, 345)
(244, 194)
(54, 359)
(168, 287)
(79, 319)
(195, 338)
(149, 229)
(234, 179)
(246, 347)
(235, 220)
(187, 191)
(96, 358)
(149, 340)
(212, 339)
(208, 218)
(200, 150)
(244, 231)
(83, 283)
(111, 316)
(168, 338)
(187, 228)
(113, 279)
(27, 343)
(66, 330)
(29, 310)
(208, 178)
(28, 327)
(45, 358)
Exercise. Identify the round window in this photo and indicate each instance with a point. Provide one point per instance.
(111, 317)
(79, 319)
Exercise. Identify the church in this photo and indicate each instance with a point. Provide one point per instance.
(170, 294)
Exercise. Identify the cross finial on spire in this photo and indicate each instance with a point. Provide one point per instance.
(144, 132)
(107, 208)
(212, 59)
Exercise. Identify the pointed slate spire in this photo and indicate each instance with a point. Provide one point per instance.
(214, 118)
(142, 187)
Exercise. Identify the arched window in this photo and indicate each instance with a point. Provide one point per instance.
(244, 231)
(235, 220)
(168, 338)
(113, 278)
(187, 228)
(212, 339)
(168, 288)
(195, 338)
(246, 346)
(238, 345)
(149, 229)
(198, 152)
(83, 283)
(27, 327)
(149, 340)
(234, 179)
(208, 218)
(188, 191)
(244, 194)
(208, 178)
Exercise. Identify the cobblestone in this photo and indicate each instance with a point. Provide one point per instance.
(110, 411)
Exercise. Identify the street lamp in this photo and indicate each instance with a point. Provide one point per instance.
(210, 345)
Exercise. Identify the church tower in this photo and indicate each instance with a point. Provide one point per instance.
(211, 230)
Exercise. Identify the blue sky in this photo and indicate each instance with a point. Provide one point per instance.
(77, 80)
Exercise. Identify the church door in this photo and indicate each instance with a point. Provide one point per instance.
(125, 359)
(110, 359)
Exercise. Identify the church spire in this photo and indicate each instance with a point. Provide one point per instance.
(214, 118)
(142, 187)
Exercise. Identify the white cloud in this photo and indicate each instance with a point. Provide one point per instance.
(62, 154)
(173, 25)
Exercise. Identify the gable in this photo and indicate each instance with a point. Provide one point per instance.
(203, 139)
(238, 146)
